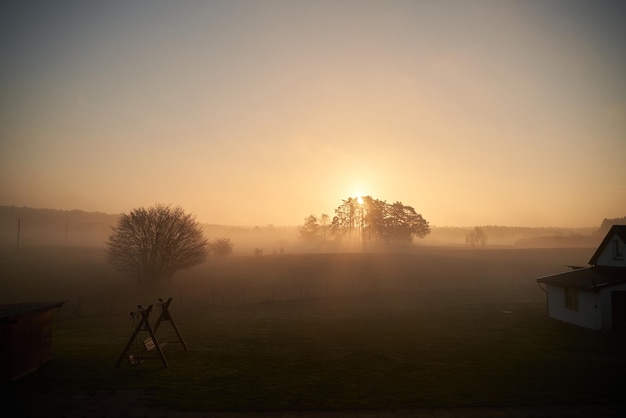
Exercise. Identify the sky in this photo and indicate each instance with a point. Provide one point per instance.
(262, 111)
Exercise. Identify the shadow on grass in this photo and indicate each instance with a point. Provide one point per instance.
(350, 353)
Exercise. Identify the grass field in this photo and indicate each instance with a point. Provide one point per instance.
(434, 327)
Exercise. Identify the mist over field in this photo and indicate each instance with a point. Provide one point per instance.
(350, 202)
(61, 255)
(293, 325)
(49, 227)
(83, 277)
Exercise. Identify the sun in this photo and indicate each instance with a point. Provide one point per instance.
(360, 200)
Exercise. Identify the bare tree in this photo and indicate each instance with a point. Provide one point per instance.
(152, 244)
(221, 247)
(476, 237)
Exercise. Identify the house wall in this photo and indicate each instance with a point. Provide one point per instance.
(607, 308)
(589, 310)
(607, 257)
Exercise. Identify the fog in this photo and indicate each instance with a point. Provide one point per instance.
(498, 120)
(60, 255)
(47, 227)
(90, 285)
(281, 306)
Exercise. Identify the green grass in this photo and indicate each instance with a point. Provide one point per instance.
(379, 352)
(434, 328)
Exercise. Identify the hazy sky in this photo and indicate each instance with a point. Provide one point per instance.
(262, 112)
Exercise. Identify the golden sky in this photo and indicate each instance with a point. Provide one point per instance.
(263, 112)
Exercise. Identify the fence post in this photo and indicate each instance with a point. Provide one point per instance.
(78, 307)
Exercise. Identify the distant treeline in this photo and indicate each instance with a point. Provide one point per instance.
(49, 218)
(51, 227)
(529, 236)
(46, 227)
(522, 236)
(560, 241)
(608, 223)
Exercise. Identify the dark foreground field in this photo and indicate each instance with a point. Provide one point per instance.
(433, 328)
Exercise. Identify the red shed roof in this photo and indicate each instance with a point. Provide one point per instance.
(13, 311)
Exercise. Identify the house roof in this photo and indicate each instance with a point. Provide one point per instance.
(620, 230)
(11, 312)
(590, 278)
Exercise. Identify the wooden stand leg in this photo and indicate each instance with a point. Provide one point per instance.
(143, 325)
(166, 316)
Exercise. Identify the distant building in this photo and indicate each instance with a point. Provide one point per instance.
(593, 297)
(25, 338)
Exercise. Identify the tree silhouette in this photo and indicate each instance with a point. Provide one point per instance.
(324, 226)
(315, 228)
(221, 247)
(476, 236)
(345, 221)
(376, 220)
(403, 224)
(311, 228)
(152, 244)
(374, 223)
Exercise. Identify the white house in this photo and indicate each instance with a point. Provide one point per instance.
(593, 297)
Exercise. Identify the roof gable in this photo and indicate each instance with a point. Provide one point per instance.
(619, 230)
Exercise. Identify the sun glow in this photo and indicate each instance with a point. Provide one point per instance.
(360, 200)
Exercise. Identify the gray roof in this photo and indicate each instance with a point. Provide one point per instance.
(590, 278)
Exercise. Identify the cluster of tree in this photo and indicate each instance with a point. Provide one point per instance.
(367, 219)
(221, 247)
(476, 237)
(315, 228)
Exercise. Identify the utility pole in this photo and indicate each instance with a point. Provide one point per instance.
(17, 245)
